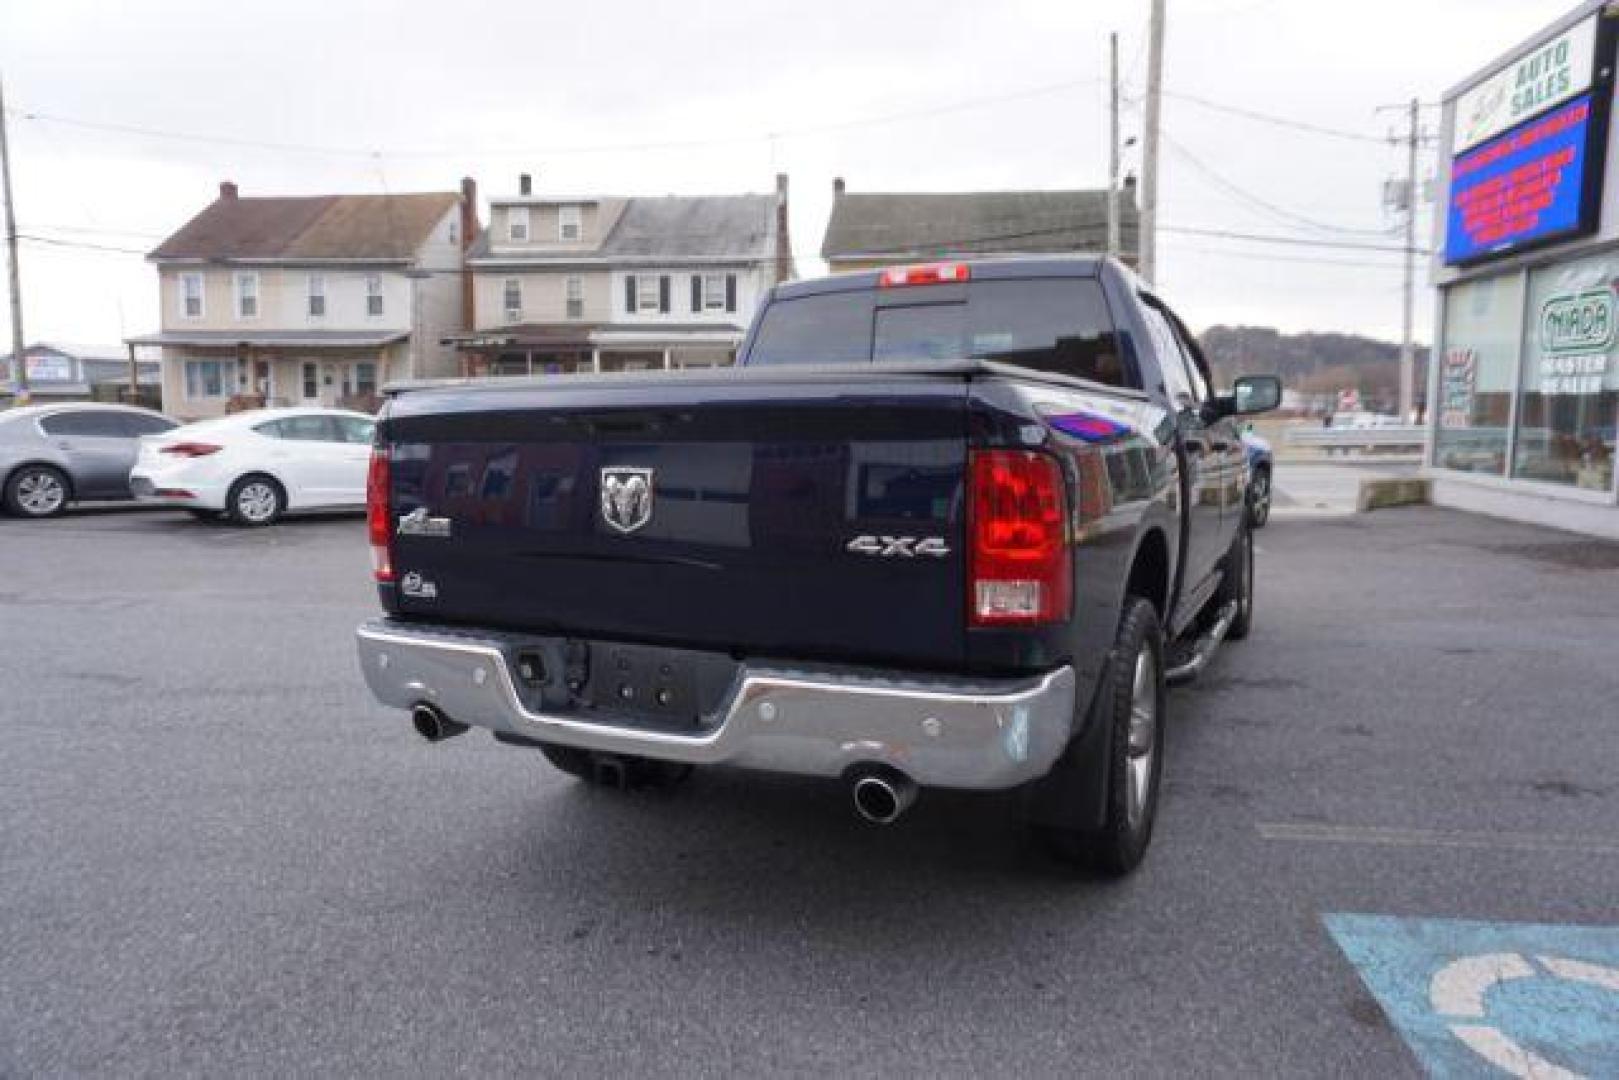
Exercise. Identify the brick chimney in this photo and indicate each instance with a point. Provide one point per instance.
(837, 186)
(469, 235)
(525, 184)
(227, 189)
(784, 240)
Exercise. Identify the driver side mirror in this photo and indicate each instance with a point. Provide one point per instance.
(1256, 394)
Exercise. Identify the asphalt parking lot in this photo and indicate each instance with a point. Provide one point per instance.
(219, 857)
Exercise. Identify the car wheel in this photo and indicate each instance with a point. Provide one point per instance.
(1131, 702)
(615, 770)
(1259, 499)
(37, 491)
(255, 500)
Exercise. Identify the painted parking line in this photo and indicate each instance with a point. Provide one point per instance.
(1391, 836)
(1483, 999)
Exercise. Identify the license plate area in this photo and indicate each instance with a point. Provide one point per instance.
(617, 683)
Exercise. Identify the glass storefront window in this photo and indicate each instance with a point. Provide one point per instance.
(1483, 328)
(1570, 399)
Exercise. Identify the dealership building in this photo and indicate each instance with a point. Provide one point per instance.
(1525, 392)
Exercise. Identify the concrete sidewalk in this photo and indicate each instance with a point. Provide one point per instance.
(1320, 490)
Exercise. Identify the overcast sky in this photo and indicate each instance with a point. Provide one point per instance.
(635, 97)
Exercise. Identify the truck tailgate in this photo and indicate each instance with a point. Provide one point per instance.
(739, 516)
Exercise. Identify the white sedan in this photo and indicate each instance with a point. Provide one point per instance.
(255, 466)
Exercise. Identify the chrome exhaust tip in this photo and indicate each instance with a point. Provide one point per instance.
(882, 795)
(432, 725)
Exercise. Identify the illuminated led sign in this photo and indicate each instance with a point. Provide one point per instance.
(1537, 183)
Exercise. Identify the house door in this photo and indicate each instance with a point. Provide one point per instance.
(309, 383)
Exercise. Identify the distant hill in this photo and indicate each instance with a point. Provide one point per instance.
(1314, 363)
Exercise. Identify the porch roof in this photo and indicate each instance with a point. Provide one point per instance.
(589, 335)
(300, 339)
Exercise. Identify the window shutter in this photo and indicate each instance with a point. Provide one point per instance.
(629, 293)
(696, 293)
(663, 293)
(730, 292)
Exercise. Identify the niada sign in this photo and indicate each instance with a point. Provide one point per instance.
(1577, 323)
(1552, 74)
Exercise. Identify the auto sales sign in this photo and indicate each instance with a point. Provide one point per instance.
(1529, 146)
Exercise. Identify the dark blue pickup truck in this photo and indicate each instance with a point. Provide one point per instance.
(953, 525)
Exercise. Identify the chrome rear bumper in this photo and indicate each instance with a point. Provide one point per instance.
(982, 735)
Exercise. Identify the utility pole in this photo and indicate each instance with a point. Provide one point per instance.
(19, 366)
(1113, 147)
(1408, 355)
(1149, 144)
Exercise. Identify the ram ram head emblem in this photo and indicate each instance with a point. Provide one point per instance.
(626, 498)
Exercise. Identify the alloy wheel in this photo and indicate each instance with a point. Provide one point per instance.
(257, 502)
(1142, 742)
(41, 493)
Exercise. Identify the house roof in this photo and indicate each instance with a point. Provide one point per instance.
(932, 224)
(739, 228)
(312, 227)
(74, 350)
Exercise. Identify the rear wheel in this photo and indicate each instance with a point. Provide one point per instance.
(615, 770)
(255, 500)
(36, 491)
(1131, 702)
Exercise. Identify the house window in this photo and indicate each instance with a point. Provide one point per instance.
(247, 296)
(567, 223)
(205, 378)
(311, 381)
(191, 295)
(365, 379)
(713, 292)
(317, 296)
(454, 232)
(513, 295)
(373, 294)
(575, 293)
(517, 223)
(646, 292)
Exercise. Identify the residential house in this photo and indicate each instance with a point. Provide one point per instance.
(603, 283)
(58, 371)
(310, 300)
(871, 230)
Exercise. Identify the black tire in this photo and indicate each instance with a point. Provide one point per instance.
(1135, 750)
(1238, 585)
(1259, 497)
(616, 770)
(37, 491)
(255, 500)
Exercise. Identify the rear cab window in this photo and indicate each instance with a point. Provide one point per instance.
(1059, 325)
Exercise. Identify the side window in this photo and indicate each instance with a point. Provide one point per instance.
(308, 429)
(95, 425)
(138, 424)
(270, 429)
(1170, 361)
(355, 430)
(1197, 365)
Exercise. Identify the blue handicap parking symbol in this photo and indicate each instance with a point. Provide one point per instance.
(1487, 999)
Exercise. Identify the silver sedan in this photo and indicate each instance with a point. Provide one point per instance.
(51, 455)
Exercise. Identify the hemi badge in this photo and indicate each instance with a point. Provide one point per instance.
(418, 523)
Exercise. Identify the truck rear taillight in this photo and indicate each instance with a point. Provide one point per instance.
(1018, 567)
(925, 274)
(376, 515)
(190, 449)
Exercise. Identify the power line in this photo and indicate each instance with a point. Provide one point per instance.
(586, 148)
(1261, 238)
(1277, 121)
(1287, 217)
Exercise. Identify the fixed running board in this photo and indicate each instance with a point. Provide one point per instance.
(1203, 649)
